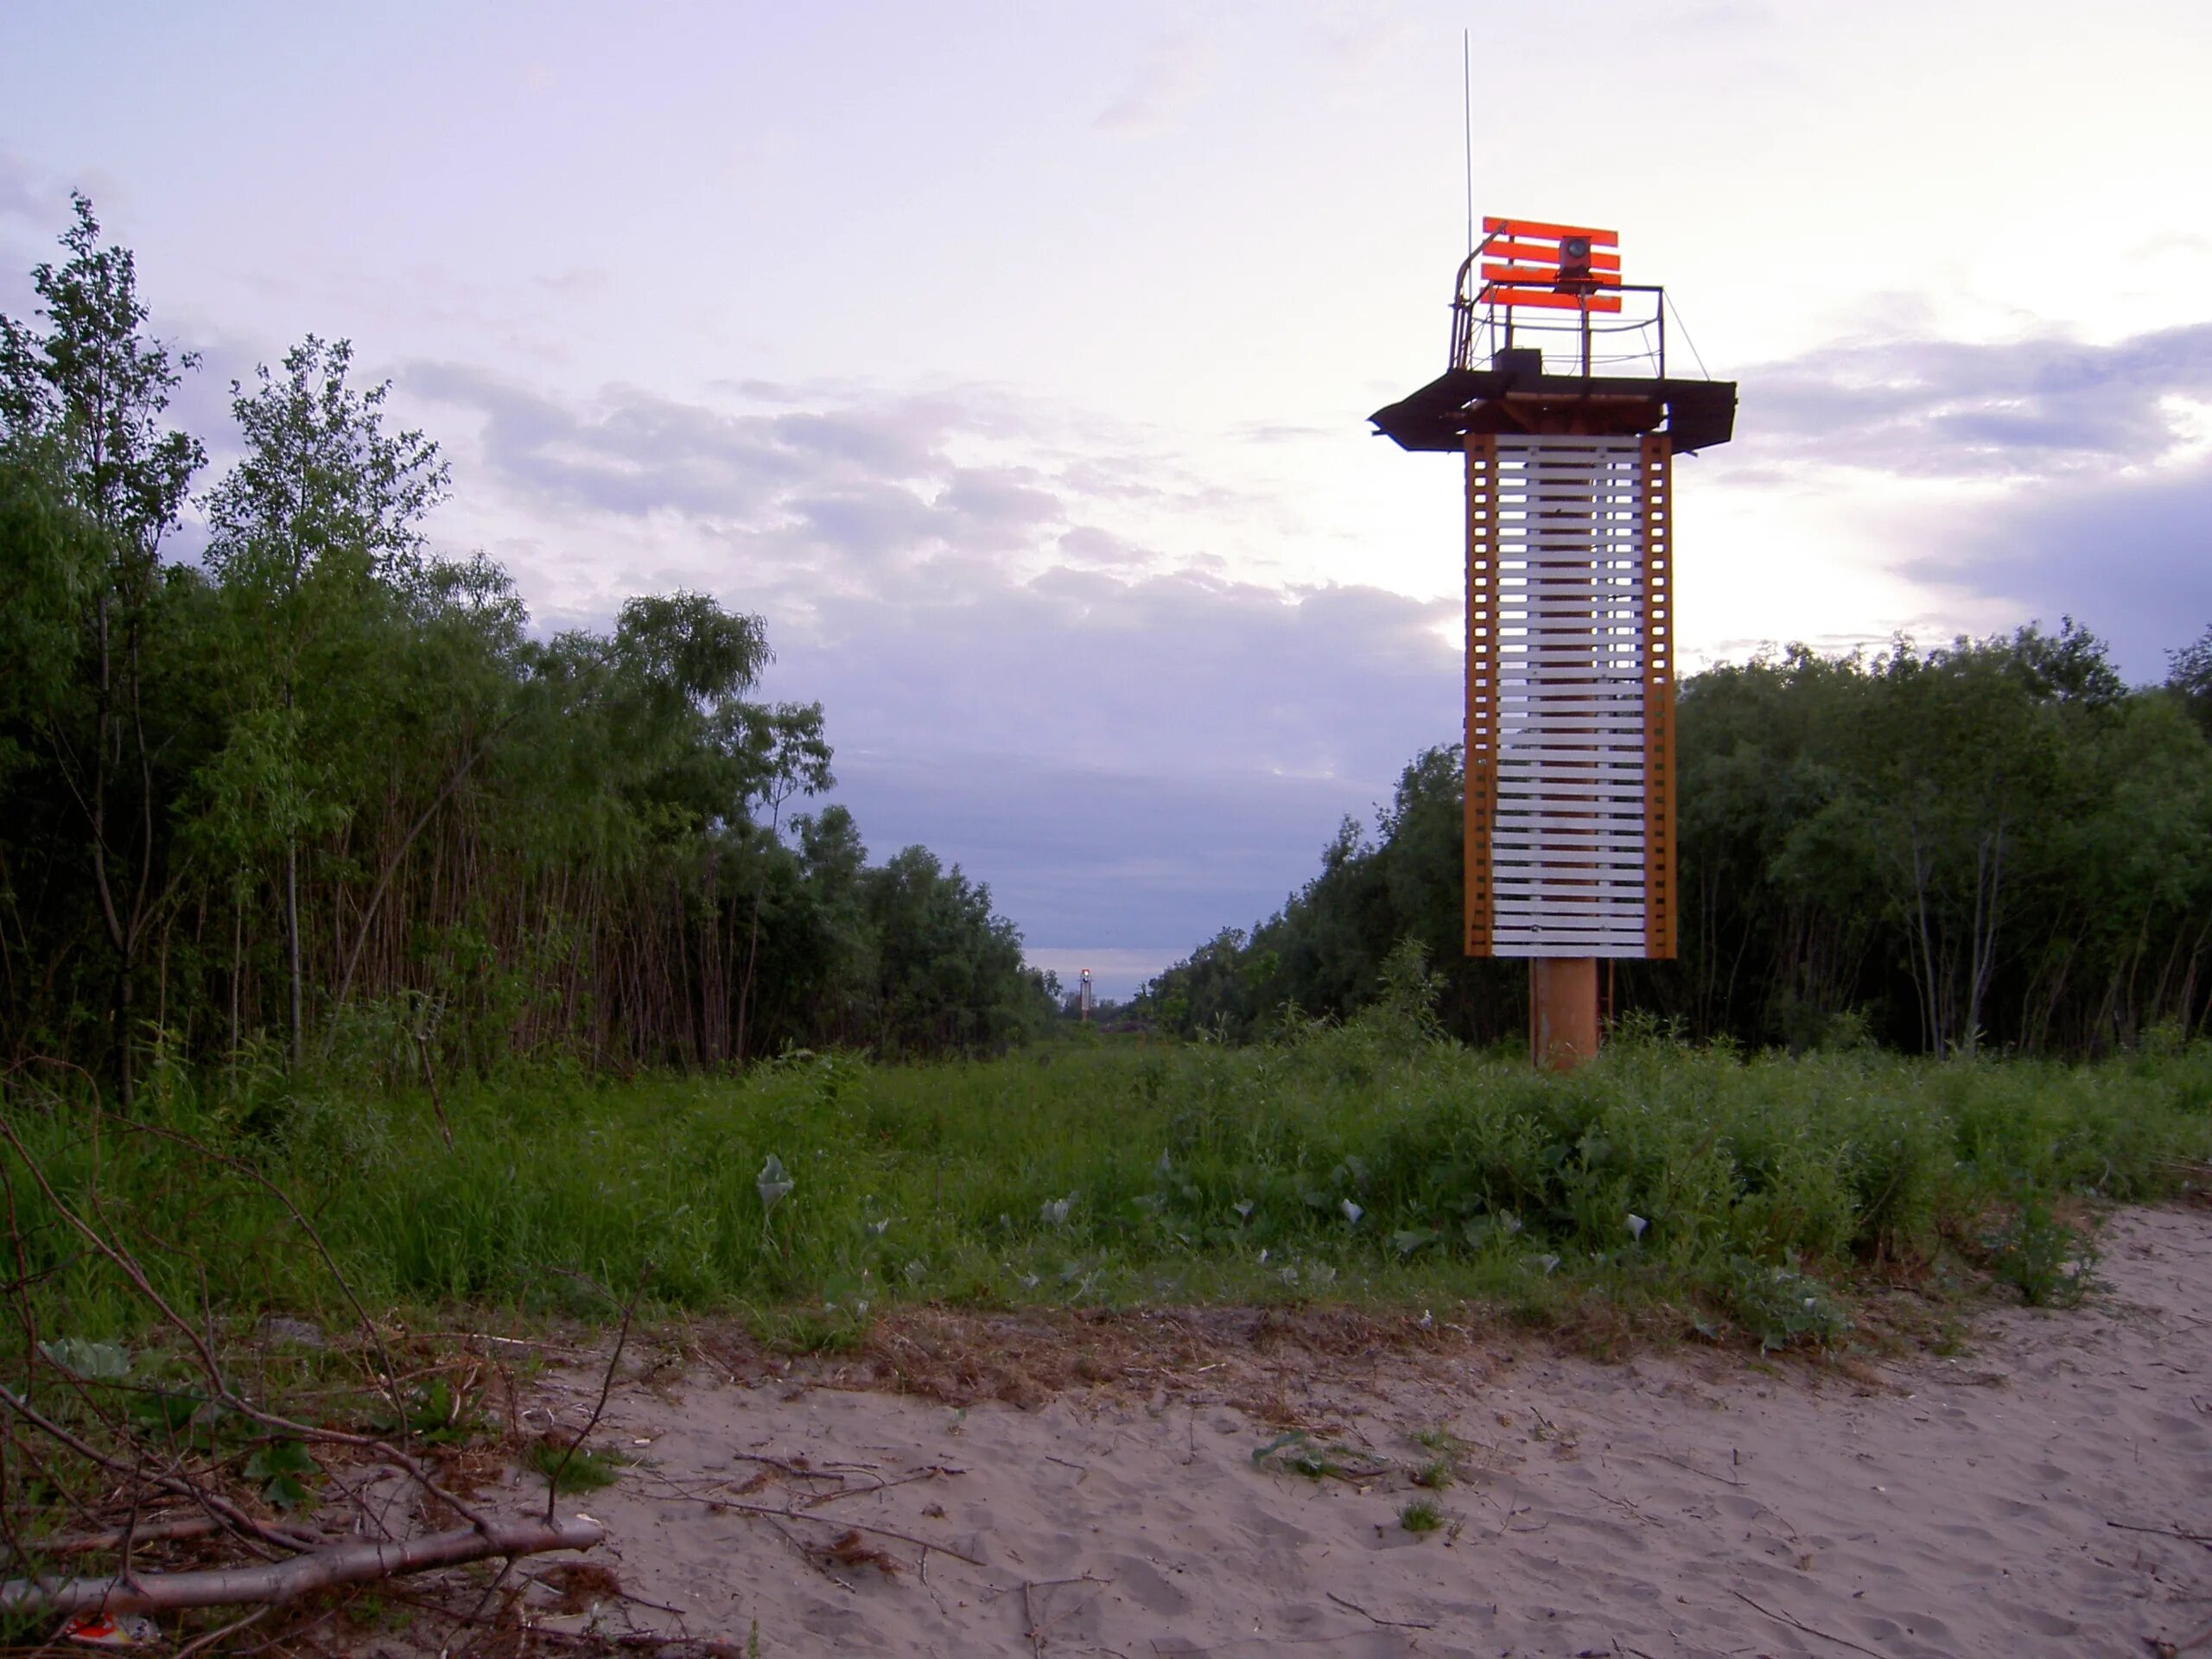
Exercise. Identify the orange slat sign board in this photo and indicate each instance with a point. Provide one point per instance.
(1551, 232)
(1548, 300)
(1539, 274)
(1541, 254)
(1528, 266)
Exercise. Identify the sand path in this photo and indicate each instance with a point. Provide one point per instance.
(1687, 1504)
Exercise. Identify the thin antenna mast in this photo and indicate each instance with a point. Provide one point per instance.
(1467, 103)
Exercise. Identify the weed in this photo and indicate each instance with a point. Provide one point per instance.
(810, 1330)
(1300, 1453)
(585, 1472)
(1441, 1469)
(1295, 1450)
(2050, 1261)
(1367, 1158)
(370, 1611)
(1780, 1306)
(1421, 1515)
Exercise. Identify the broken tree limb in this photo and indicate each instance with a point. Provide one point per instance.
(282, 1581)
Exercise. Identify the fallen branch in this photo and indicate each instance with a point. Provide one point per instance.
(152, 1532)
(283, 1581)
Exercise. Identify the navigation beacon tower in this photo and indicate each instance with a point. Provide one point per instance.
(1558, 397)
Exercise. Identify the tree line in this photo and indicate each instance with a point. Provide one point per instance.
(1992, 842)
(321, 786)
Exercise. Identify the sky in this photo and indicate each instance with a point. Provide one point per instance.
(1013, 361)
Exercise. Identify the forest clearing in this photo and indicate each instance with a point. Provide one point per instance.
(492, 1163)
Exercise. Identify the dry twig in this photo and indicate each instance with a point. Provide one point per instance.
(1797, 1624)
(606, 1387)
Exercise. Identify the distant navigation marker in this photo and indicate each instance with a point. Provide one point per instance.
(1084, 997)
(1558, 396)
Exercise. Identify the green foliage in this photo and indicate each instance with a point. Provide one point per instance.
(96, 1362)
(1299, 1453)
(1989, 842)
(1781, 1307)
(321, 805)
(572, 1468)
(1421, 1515)
(282, 1468)
(435, 1415)
(2050, 1262)
(1766, 1186)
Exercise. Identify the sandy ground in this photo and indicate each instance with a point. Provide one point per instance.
(2030, 1497)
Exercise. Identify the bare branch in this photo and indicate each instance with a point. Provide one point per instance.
(283, 1581)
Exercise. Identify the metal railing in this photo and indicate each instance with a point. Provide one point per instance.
(1630, 343)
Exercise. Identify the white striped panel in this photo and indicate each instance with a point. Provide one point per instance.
(1568, 843)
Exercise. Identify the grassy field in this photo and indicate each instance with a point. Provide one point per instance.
(1368, 1162)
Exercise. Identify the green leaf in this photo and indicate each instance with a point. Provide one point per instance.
(283, 1492)
(96, 1362)
(280, 1457)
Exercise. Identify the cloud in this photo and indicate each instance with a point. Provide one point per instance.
(2130, 559)
(1968, 410)
(1029, 658)
(1128, 763)
(2038, 478)
(638, 452)
(812, 490)
(1167, 81)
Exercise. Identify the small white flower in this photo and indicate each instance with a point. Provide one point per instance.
(1054, 1211)
(1244, 1209)
(1353, 1211)
(1425, 1320)
(1637, 1224)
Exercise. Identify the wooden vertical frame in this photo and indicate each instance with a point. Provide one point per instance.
(1481, 789)
(1656, 499)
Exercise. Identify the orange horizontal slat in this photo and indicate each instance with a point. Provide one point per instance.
(1533, 227)
(1544, 253)
(1550, 301)
(1525, 274)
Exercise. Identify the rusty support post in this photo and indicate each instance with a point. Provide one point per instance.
(1562, 1011)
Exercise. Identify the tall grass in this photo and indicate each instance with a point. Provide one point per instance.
(1368, 1160)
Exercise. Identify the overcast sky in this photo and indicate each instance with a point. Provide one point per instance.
(1014, 361)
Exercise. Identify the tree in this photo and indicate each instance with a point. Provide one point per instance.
(312, 529)
(90, 391)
